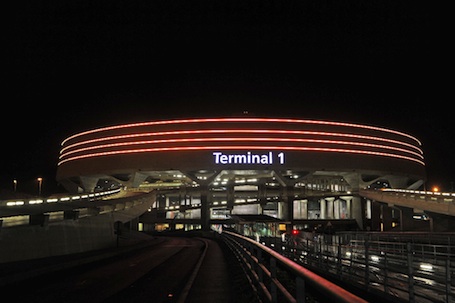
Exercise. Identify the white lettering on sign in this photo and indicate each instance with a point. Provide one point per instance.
(248, 158)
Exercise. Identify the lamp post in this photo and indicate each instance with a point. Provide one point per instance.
(40, 182)
(15, 185)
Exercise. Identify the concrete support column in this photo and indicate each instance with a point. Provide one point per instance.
(337, 209)
(134, 224)
(386, 212)
(185, 199)
(357, 210)
(301, 209)
(375, 224)
(39, 219)
(205, 209)
(330, 208)
(262, 194)
(230, 196)
(71, 214)
(71, 186)
(323, 207)
(260, 209)
(172, 226)
(288, 205)
(289, 200)
(160, 201)
(348, 209)
(204, 182)
(89, 183)
(138, 179)
(406, 218)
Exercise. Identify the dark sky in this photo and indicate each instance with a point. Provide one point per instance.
(75, 65)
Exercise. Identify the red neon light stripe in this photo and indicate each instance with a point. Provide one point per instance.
(192, 132)
(191, 148)
(300, 121)
(241, 139)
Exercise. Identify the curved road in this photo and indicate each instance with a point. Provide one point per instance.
(157, 273)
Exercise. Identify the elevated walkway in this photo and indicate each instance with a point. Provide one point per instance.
(435, 202)
(433, 211)
(60, 228)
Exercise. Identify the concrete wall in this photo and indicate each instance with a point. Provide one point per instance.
(66, 236)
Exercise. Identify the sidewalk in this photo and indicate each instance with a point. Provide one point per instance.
(220, 278)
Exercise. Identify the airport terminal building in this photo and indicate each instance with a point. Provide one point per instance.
(296, 173)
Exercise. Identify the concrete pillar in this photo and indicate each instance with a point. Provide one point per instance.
(39, 219)
(160, 201)
(357, 210)
(375, 224)
(230, 195)
(290, 202)
(71, 186)
(386, 212)
(71, 214)
(406, 218)
(182, 195)
(138, 178)
(262, 194)
(89, 183)
(337, 208)
(323, 207)
(305, 211)
(135, 224)
(171, 226)
(301, 209)
(348, 209)
(288, 199)
(330, 208)
(205, 209)
(288, 205)
(184, 201)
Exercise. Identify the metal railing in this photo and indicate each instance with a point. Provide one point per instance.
(279, 279)
(414, 267)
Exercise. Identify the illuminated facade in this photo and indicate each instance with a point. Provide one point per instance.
(209, 169)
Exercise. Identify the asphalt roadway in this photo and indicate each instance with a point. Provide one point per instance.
(172, 269)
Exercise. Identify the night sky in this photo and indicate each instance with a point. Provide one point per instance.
(75, 65)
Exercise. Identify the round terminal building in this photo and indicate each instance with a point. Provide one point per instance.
(207, 171)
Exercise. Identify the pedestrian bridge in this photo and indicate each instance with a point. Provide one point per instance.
(435, 202)
(37, 228)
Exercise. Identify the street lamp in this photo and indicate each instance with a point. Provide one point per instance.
(40, 182)
(15, 185)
